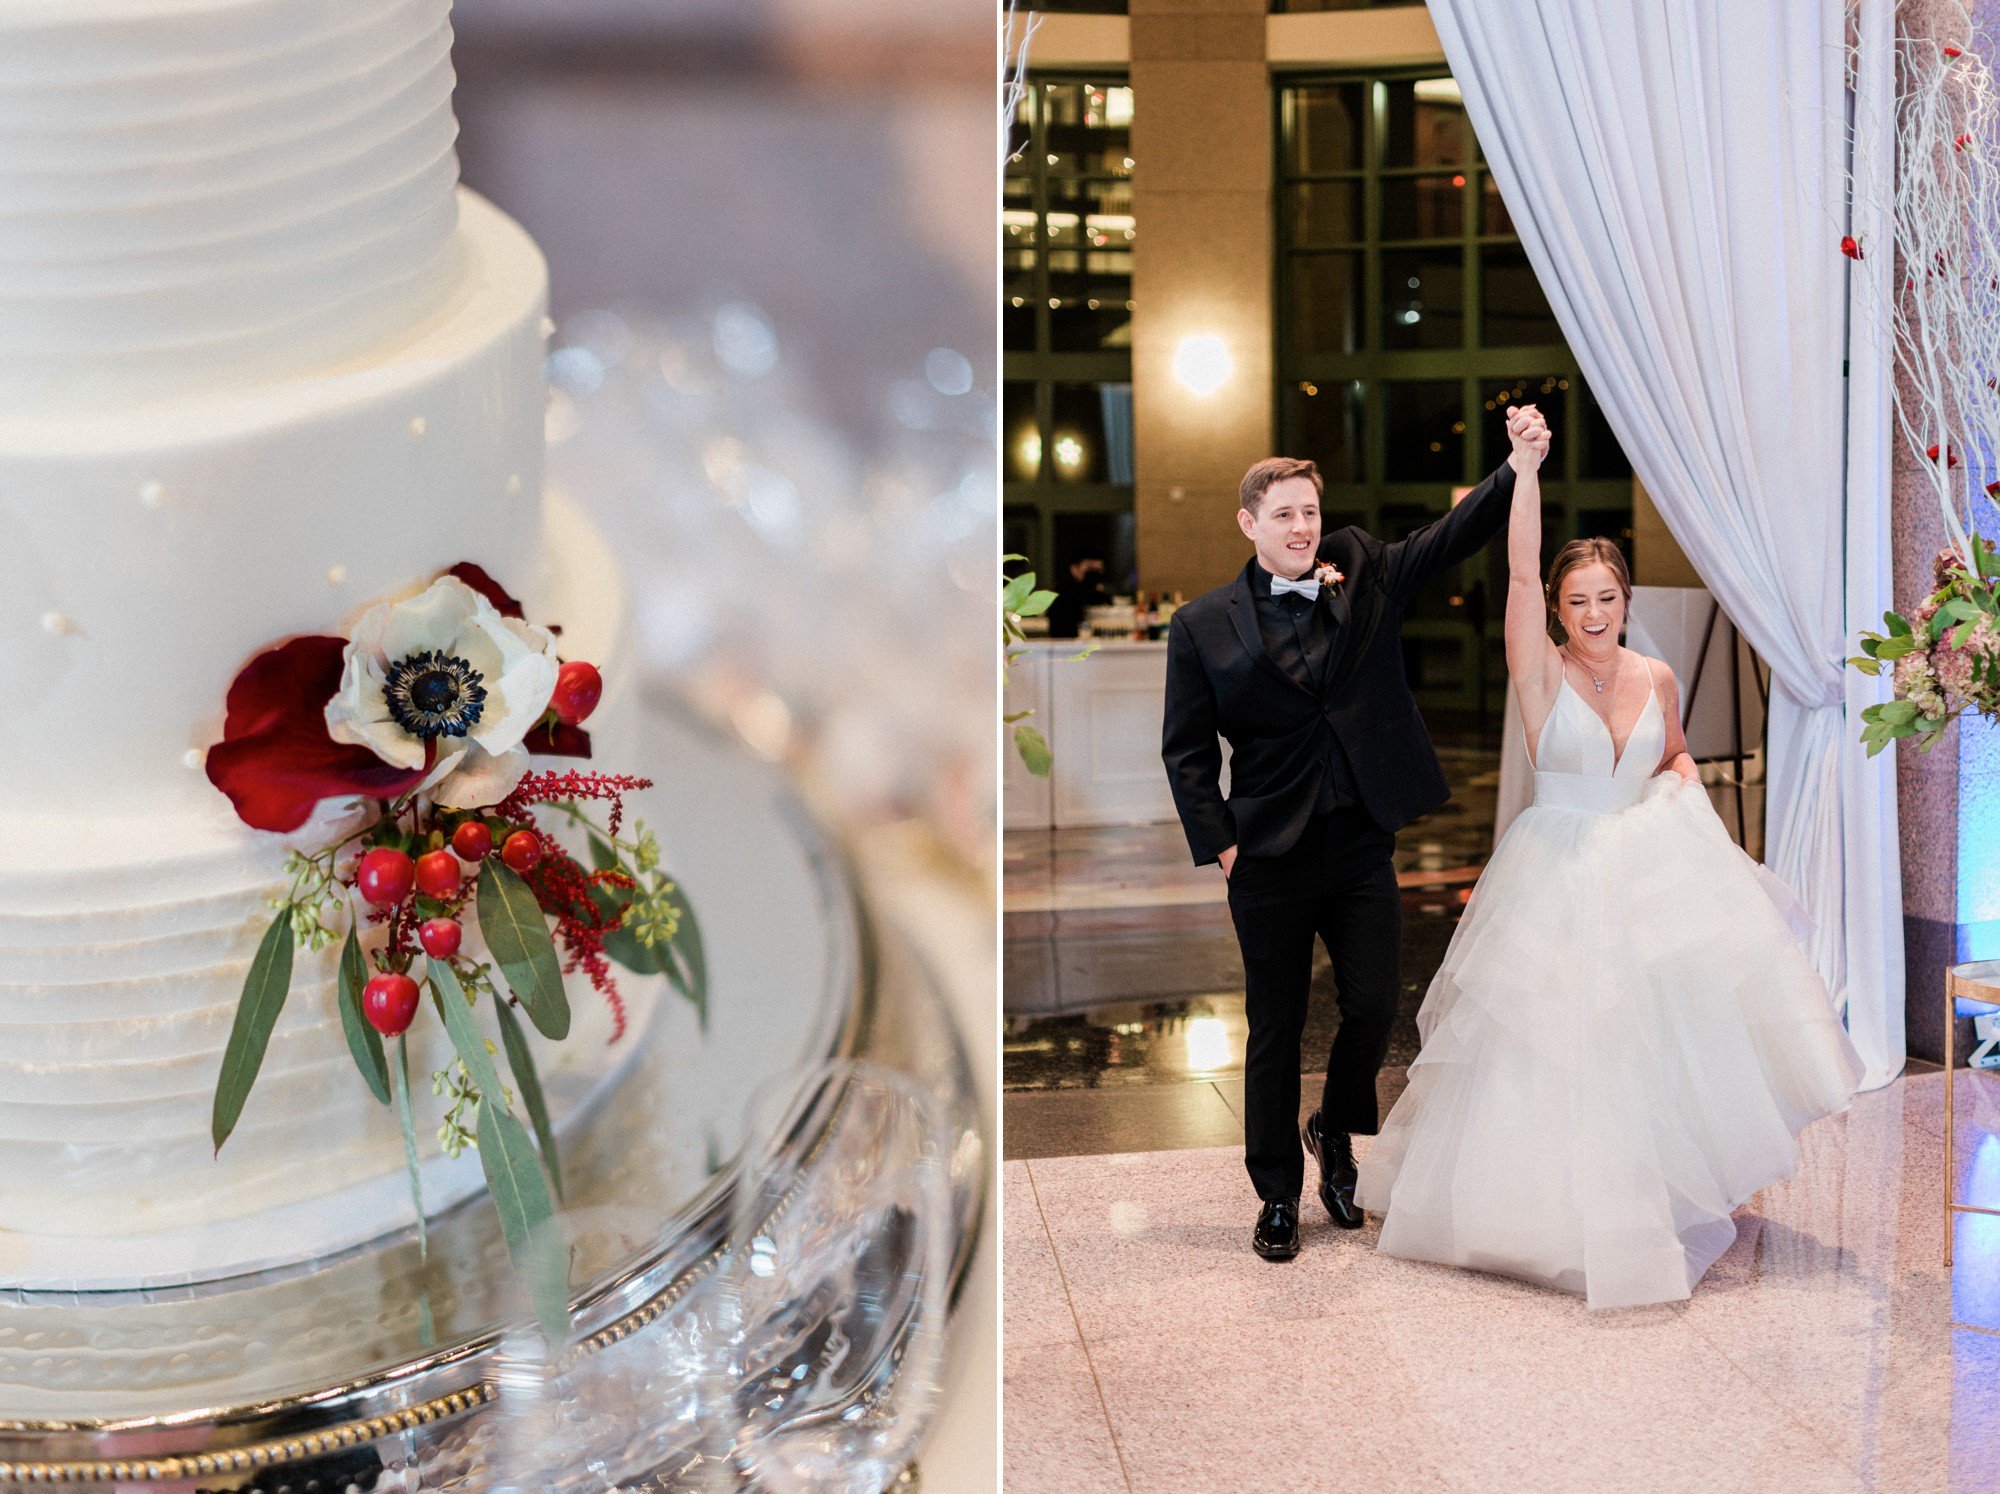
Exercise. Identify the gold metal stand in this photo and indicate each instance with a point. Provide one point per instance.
(1976, 985)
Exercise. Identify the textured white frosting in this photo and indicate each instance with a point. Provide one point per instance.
(124, 941)
(261, 364)
(216, 191)
(146, 553)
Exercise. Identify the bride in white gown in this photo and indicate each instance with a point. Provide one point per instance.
(1624, 1039)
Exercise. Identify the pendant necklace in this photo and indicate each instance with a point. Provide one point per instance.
(1596, 683)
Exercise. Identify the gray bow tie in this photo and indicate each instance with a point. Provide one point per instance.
(1305, 586)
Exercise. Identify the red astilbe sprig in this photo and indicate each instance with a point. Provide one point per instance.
(568, 788)
(564, 890)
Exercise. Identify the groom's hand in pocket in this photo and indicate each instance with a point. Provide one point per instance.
(1228, 860)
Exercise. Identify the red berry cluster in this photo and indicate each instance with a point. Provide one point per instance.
(387, 876)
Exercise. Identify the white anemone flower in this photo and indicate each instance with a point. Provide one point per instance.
(445, 666)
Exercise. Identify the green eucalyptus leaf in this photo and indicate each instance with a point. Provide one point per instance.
(1037, 603)
(363, 1041)
(1034, 750)
(466, 1038)
(1961, 609)
(1896, 712)
(527, 1215)
(407, 1116)
(623, 946)
(1016, 592)
(521, 1060)
(257, 1009)
(1869, 643)
(1898, 628)
(517, 933)
(1866, 666)
(687, 949)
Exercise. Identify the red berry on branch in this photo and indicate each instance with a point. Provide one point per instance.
(440, 937)
(578, 688)
(1961, 142)
(1953, 52)
(1993, 489)
(437, 874)
(522, 850)
(385, 876)
(389, 1002)
(1850, 246)
(473, 841)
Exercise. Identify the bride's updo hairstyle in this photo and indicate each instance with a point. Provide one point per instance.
(1593, 551)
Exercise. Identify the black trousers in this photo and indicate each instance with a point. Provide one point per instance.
(1338, 884)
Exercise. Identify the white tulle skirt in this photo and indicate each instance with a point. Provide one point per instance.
(1621, 1047)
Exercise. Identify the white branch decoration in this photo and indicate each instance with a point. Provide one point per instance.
(1944, 315)
(1014, 38)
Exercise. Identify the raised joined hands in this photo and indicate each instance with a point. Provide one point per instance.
(1529, 433)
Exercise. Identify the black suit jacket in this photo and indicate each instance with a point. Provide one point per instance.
(1222, 683)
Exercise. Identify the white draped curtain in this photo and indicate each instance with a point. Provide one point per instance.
(1677, 172)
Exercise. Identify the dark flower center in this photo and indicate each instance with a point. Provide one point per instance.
(434, 695)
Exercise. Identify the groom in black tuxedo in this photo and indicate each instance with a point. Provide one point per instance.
(1298, 662)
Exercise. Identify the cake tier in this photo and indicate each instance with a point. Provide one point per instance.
(147, 552)
(124, 942)
(209, 192)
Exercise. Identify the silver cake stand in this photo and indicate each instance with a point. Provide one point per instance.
(379, 1368)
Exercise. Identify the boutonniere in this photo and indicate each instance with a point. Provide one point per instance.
(1328, 575)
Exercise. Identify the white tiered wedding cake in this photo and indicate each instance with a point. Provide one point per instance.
(262, 363)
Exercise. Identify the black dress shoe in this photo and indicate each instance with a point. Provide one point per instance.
(1277, 1235)
(1337, 1173)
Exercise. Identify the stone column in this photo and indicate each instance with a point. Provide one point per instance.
(1201, 267)
(1927, 784)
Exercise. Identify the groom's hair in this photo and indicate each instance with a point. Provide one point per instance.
(1258, 480)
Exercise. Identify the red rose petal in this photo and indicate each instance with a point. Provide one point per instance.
(276, 761)
(476, 578)
(553, 739)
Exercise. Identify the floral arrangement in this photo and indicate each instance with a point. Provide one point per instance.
(1944, 658)
(415, 731)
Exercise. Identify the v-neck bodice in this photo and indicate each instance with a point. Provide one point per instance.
(1576, 744)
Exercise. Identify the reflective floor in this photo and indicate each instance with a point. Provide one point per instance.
(1125, 1024)
(1147, 1349)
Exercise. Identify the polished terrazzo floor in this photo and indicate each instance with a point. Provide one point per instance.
(1147, 1349)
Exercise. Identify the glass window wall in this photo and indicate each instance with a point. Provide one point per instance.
(1408, 321)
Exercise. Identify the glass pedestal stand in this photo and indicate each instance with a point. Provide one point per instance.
(372, 1371)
